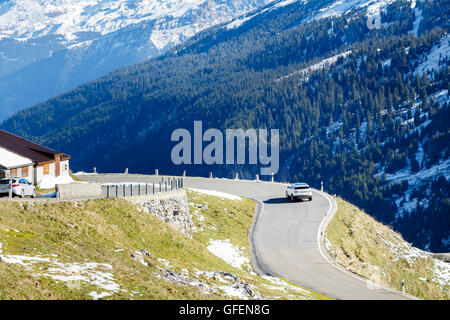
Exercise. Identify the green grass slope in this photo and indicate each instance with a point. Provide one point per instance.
(112, 249)
(376, 252)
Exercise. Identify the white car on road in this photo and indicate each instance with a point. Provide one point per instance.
(300, 191)
(20, 187)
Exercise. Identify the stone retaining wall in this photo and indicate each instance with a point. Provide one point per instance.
(171, 207)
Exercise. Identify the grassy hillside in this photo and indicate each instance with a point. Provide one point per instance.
(111, 249)
(376, 252)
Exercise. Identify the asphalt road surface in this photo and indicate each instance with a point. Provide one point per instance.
(285, 236)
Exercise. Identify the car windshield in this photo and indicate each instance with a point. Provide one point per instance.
(301, 187)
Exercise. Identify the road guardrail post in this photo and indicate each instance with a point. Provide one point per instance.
(58, 192)
(321, 186)
(156, 172)
(126, 170)
(10, 190)
(117, 190)
(273, 177)
(107, 191)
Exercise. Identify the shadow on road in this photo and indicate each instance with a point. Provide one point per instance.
(276, 200)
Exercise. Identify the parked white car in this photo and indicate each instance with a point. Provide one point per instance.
(20, 187)
(300, 191)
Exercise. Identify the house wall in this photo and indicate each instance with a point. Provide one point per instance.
(39, 174)
(65, 168)
(39, 171)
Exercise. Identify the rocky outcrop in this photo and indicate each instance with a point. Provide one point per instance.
(171, 207)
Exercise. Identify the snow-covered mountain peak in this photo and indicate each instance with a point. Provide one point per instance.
(25, 19)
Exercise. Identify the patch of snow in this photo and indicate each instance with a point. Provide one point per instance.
(73, 274)
(341, 7)
(441, 273)
(443, 168)
(97, 296)
(235, 291)
(241, 20)
(82, 173)
(140, 257)
(164, 262)
(228, 252)
(279, 284)
(217, 194)
(417, 20)
(386, 63)
(325, 63)
(438, 53)
(238, 22)
(50, 182)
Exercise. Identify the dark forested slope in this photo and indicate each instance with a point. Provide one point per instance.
(363, 109)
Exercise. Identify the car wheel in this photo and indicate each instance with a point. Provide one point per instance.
(291, 198)
(310, 198)
(34, 194)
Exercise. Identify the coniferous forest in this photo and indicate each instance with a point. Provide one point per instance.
(373, 124)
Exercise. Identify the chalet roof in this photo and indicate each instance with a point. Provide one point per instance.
(28, 149)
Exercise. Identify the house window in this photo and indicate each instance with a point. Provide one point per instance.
(46, 169)
(24, 172)
(14, 172)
